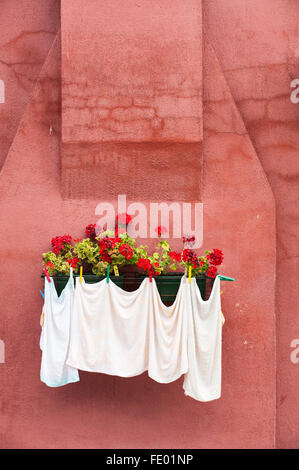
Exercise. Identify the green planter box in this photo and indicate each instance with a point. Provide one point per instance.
(61, 280)
(168, 285)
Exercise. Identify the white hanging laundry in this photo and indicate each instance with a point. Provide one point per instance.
(203, 379)
(126, 333)
(110, 328)
(102, 328)
(168, 358)
(55, 335)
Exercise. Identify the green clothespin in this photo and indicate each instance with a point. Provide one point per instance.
(108, 269)
(225, 278)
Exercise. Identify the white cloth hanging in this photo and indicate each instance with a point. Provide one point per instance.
(102, 328)
(55, 335)
(168, 358)
(109, 330)
(126, 333)
(203, 379)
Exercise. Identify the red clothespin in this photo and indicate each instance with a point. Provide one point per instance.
(47, 275)
(150, 275)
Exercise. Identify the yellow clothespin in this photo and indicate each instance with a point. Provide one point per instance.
(81, 271)
(116, 270)
(190, 270)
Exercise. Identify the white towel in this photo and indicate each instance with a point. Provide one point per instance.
(55, 336)
(203, 379)
(102, 328)
(126, 333)
(168, 358)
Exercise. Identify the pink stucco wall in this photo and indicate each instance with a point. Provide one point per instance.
(26, 34)
(209, 83)
(257, 45)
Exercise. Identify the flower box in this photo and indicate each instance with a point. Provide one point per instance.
(116, 251)
(168, 285)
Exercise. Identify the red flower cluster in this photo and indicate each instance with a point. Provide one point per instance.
(73, 261)
(107, 243)
(124, 218)
(50, 264)
(188, 239)
(147, 266)
(160, 229)
(216, 257)
(175, 256)
(126, 251)
(190, 257)
(58, 243)
(90, 231)
(105, 256)
(143, 263)
(212, 271)
(152, 270)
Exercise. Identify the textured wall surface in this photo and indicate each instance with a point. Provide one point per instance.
(139, 84)
(257, 45)
(164, 103)
(26, 34)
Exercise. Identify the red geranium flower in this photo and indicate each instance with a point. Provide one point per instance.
(108, 243)
(58, 243)
(175, 256)
(123, 218)
(147, 266)
(90, 231)
(212, 271)
(189, 239)
(152, 271)
(160, 230)
(73, 261)
(216, 257)
(50, 264)
(126, 251)
(190, 257)
(144, 264)
(105, 256)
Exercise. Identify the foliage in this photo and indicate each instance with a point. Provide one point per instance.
(112, 248)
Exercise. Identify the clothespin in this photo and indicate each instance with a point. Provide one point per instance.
(116, 270)
(190, 270)
(43, 295)
(225, 278)
(81, 271)
(47, 274)
(42, 319)
(108, 269)
(150, 275)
